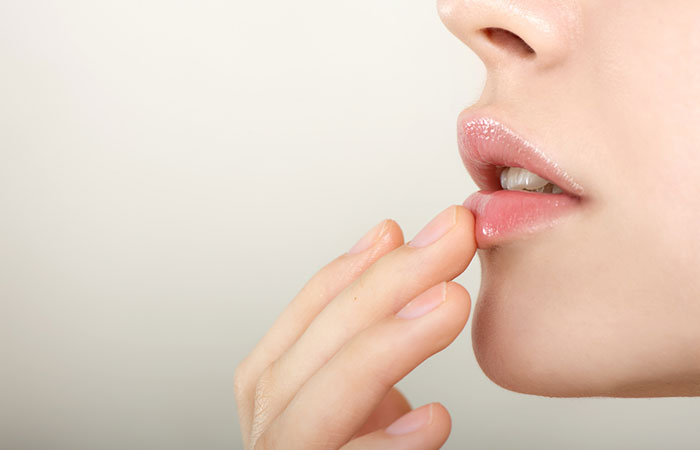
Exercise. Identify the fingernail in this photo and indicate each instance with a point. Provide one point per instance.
(436, 228)
(413, 421)
(424, 303)
(369, 239)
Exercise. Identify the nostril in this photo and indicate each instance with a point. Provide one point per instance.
(508, 41)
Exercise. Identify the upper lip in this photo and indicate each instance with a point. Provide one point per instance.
(486, 146)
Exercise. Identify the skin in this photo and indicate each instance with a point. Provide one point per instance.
(608, 303)
(604, 304)
(294, 389)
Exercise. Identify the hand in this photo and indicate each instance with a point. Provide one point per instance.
(323, 375)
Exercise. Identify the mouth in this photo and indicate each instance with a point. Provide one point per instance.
(523, 190)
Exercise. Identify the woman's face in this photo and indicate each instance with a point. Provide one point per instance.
(606, 302)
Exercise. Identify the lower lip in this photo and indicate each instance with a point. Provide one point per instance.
(503, 216)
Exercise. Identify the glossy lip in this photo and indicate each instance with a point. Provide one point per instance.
(486, 147)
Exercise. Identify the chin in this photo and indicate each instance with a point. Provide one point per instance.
(539, 329)
(514, 350)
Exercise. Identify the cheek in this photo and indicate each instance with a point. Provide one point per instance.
(582, 321)
(646, 91)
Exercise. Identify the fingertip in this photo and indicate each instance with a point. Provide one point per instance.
(390, 239)
(387, 237)
(381, 240)
(431, 433)
(467, 220)
(458, 292)
(393, 233)
(466, 215)
(425, 427)
(441, 424)
(456, 313)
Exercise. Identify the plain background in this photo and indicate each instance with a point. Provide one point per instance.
(173, 172)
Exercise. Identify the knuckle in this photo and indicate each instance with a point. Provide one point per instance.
(368, 351)
(266, 379)
(264, 394)
(263, 443)
(241, 379)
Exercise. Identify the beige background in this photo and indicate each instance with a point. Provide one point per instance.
(172, 173)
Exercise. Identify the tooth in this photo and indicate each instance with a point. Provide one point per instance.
(557, 190)
(519, 178)
(504, 178)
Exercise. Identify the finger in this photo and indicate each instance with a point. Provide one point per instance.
(342, 394)
(393, 406)
(424, 428)
(379, 292)
(312, 298)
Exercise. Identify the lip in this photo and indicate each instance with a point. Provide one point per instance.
(486, 146)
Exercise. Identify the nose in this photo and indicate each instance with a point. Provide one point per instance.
(514, 32)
